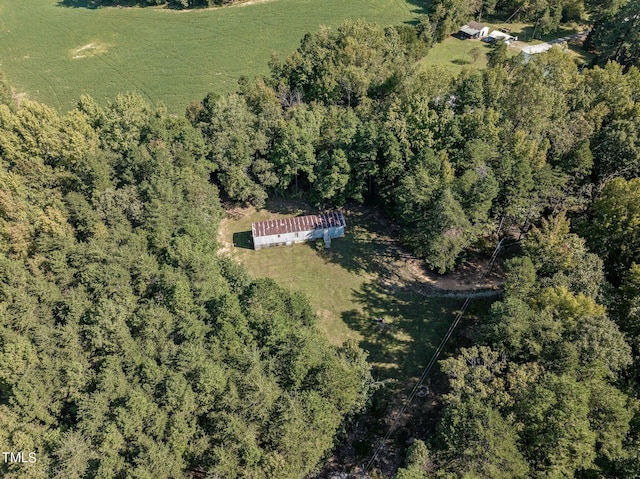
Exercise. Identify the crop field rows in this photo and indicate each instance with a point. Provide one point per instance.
(53, 53)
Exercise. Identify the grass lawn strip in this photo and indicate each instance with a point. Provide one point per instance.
(365, 275)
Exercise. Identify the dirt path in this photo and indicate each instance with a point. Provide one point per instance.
(541, 47)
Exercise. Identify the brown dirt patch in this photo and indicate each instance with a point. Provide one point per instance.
(88, 50)
(18, 97)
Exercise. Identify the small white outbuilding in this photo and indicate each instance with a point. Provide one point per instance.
(286, 231)
(498, 35)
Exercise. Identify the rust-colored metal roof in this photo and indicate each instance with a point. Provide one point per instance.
(297, 224)
(476, 25)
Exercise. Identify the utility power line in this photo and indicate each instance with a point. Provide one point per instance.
(432, 362)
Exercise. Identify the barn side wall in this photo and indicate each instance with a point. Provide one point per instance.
(282, 239)
(261, 242)
(300, 237)
(336, 232)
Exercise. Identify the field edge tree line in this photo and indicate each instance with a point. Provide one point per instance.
(112, 293)
(352, 116)
(175, 4)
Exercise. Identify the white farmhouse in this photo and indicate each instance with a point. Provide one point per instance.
(473, 30)
(286, 231)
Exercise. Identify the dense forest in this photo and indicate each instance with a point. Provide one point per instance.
(350, 116)
(130, 348)
(550, 389)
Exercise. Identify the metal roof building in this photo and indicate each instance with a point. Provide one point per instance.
(474, 30)
(286, 231)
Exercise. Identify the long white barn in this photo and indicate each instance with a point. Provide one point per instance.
(286, 231)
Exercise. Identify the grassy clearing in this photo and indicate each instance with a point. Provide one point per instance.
(365, 275)
(55, 53)
(455, 54)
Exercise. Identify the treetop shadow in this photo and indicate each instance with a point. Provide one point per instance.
(89, 4)
(413, 326)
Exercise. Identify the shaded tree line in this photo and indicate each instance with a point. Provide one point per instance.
(616, 34)
(177, 4)
(351, 116)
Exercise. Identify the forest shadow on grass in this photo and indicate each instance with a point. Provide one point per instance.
(95, 4)
(526, 33)
(289, 207)
(243, 240)
(421, 7)
(89, 4)
(414, 326)
(369, 245)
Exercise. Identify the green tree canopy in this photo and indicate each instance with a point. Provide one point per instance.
(128, 346)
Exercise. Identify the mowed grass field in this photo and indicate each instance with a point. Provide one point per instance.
(454, 54)
(54, 53)
(361, 278)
